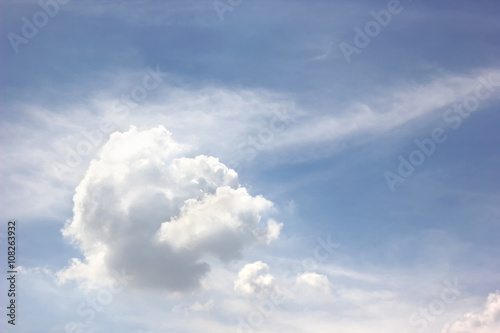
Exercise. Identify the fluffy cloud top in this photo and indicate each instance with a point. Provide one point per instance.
(252, 280)
(487, 321)
(145, 209)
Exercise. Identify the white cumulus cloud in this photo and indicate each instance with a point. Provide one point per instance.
(253, 281)
(146, 209)
(487, 321)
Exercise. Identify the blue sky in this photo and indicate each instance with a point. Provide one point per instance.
(312, 135)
